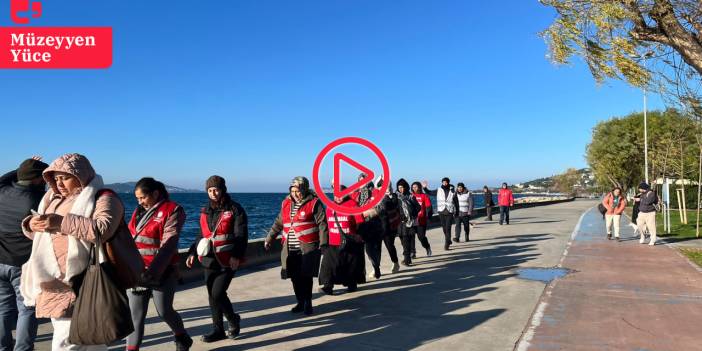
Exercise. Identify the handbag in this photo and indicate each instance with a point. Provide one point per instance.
(602, 209)
(122, 252)
(101, 312)
(342, 235)
(204, 247)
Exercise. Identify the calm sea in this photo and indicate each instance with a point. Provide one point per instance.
(261, 208)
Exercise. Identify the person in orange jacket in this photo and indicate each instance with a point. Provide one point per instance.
(615, 204)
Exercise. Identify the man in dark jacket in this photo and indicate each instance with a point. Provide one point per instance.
(646, 220)
(21, 191)
(487, 200)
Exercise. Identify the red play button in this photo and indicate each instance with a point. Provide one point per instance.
(338, 158)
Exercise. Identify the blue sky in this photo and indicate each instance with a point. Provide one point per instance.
(253, 90)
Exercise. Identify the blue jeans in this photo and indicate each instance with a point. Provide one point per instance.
(12, 309)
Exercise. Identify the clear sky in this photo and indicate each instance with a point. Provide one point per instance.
(253, 90)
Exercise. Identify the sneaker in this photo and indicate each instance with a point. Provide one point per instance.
(429, 252)
(455, 240)
(234, 327)
(215, 335)
(406, 263)
(609, 236)
(327, 290)
(652, 243)
(414, 256)
(618, 240)
(642, 241)
(183, 342)
(298, 308)
(395, 267)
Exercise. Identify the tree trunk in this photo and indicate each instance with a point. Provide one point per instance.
(699, 190)
(683, 213)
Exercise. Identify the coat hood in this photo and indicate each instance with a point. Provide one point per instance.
(76, 165)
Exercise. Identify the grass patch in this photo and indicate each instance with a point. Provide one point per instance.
(695, 255)
(677, 229)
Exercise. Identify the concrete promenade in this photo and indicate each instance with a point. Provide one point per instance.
(468, 298)
(622, 296)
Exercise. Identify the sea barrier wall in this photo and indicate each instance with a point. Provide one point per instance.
(257, 255)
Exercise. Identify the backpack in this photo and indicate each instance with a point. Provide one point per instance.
(410, 208)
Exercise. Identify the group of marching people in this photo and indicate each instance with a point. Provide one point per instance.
(48, 239)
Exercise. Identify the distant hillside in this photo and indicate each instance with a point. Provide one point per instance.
(128, 187)
(587, 181)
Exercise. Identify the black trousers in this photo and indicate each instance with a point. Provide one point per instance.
(373, 250)
(504, 214)
(406, 237)
(302, 283)
(217, 282)
(446, 223)
(389, 240)
(488, 209)
(463, 221)
(421, 231)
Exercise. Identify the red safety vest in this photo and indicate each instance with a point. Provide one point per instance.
(148, 240)
(347, 223)
(303, 224)
(222, 237)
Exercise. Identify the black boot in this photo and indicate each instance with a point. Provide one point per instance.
(234, 327)
(299, 308)
(328, 290)
(216, 334)
(183, 342)
(308, 308)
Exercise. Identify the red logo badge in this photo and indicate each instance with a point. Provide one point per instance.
(338, 157)
(22, 10)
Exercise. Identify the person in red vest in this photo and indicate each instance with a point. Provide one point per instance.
(423, 216)
(220, 250)
(303, 224)
(155, 227)
(505, 199)
(343, 262)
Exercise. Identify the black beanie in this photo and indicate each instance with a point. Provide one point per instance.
(644, 186)
(461, 184)
(216, 181)
(30, 169)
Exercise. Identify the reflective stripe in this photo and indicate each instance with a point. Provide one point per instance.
(224, 248)
(297, 224)
(146, 240)
(308, 231)
(148, 252)
(223, 237)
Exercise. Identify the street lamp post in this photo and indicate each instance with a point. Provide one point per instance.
(645, 113)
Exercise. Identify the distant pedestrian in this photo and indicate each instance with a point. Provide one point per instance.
(342, 259)
(447, 205)
(409, 209)
(20, 192)
(615, 204)
(465, 209)
(220, 250)
(391, 219)
(635, 212)
(303, 224)
(505, 199)
(371, 228)
(488, 201)
(155, 226)
(423, 217)
(646, 220)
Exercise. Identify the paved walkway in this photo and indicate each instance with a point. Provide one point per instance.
(622, 296)
(468, 298)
